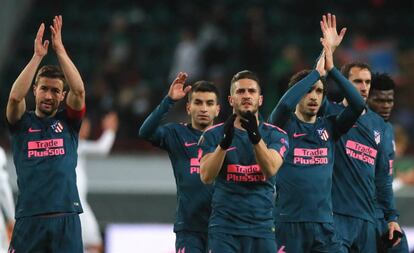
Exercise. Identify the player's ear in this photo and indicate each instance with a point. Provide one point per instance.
(260, 100)
(34, 89)
(188, 107)
(63, 96)
(217, 110)
(231, 102)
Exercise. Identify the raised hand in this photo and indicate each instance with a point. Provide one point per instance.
(56, 30)
(228, 132)
(320, 65)
(177, 90)
(249, 122)
(110, 121)
(330, 34)
(40, 46)
(328, 55)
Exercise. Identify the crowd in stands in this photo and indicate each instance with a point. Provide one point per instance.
(129, 51)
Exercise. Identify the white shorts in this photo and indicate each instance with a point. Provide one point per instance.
(90, 228)
(4, 241)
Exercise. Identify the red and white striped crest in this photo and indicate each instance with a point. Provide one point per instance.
(323, 134)
(57, 126)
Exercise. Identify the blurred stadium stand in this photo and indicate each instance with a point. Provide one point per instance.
(125, 49)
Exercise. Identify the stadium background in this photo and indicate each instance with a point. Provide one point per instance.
(128, 51)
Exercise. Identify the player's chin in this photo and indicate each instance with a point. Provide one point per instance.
(47, 110)
(246, 107)
(204, 122)
(313, 109)
(385, 116)
(250, 109)
(312, 112)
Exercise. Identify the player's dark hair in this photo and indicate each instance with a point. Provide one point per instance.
(382, 81)
(347, 67)
(244, 74)
(51, 71)
(204, 86)
(302, 74)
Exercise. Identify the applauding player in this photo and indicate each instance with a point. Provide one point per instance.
(44, 145)
(358, 155)
(180, 141)
(242, 156)
(304, 182)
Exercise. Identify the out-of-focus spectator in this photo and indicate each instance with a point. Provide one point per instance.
(254, 44)
(187, 56)
(403, 164)
(283, 66)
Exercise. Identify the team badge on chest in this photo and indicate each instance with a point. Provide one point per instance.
(57, 126)
(377, 136)
(323, 134)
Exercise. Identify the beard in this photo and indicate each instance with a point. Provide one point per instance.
(203, 123)
(48, 112)
(243, 113)
(311, 113)
(308, 113)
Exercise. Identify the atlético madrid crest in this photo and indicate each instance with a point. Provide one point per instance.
(57, 126)
(377, 136)
(323, 134)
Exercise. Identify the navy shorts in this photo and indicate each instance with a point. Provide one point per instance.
(57, 234)
(356, 235)
(190, 242)
(307, 237)
(226, 243)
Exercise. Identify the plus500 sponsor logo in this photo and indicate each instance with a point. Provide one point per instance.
(52, 147)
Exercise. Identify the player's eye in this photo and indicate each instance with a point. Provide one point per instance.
(252, 90)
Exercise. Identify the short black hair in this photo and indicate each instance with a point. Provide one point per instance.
(244, 74)
(347, 67)
(51, 71)
(204, 86)
(382, 81)
(302, 74)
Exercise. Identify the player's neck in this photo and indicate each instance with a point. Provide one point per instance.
(42, 115)
(201, 128)
(305, 118)
(237, 123)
